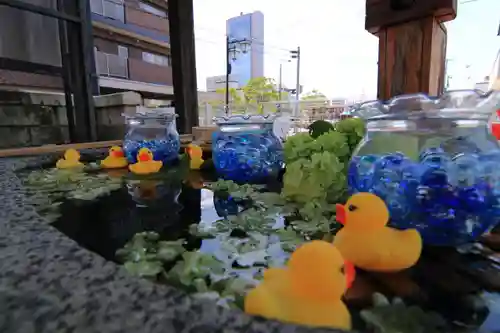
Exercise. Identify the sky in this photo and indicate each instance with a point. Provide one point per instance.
(339, 58)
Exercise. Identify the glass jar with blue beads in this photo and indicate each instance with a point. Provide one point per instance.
(245, 148)
(434, 162)
(154, 129)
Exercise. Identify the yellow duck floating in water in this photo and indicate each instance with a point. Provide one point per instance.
(145, 163)
(195, 156)
(308, 291)
(368, 243)
(115, 159)
(70, 160)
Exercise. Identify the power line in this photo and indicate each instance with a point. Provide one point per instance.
(254, 41)
(279, 56)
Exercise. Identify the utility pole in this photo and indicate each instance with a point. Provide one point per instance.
(280, 86)
(232, 46)
(228, 71)
(296, 55)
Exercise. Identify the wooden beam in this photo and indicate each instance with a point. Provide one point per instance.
(51, 149)
(181, 25)
(412, 44)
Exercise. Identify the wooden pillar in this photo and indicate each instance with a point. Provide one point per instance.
(412, 44)
(180, 15)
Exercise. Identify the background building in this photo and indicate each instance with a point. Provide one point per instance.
(249, 27)
(215, 83)
(131, 47)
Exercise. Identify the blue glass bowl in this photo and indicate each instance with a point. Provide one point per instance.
(434, 163)
(245, 149)
(154, 130)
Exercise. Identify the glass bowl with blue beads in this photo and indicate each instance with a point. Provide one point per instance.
(434, 162)
(245, 148)
(154, 129)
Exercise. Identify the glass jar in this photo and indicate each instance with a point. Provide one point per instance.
(434, 162)
(154, 129)
(245, 148)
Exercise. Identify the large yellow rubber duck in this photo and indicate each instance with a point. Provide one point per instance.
(70, 160)
(368, 243)
(115, 159)
(145, 163)
(195, 156)
(308, 291)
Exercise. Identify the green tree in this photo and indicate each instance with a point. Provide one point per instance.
(259, 90)
(313, 94)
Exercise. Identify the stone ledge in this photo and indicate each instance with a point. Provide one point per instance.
(119, 99)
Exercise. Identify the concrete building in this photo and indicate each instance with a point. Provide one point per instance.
(218, 82)
(131, 47)
(250, 64)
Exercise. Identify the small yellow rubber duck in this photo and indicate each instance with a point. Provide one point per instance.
(195, 154)
(308, 291)
(70, 160)
(368, 243)
(145, 163)
(115, 159)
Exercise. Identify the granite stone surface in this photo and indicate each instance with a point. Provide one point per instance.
(48, 283)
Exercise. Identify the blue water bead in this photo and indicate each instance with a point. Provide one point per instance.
(398, 206)
(489, 171)
(165, 150)
(360, 173)
(247, 157)
(432, 151)
(472, 199)
(464, 170)
(387, 174)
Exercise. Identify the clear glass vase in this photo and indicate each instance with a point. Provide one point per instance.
(154, 129)
(434, 162)
(245, 148)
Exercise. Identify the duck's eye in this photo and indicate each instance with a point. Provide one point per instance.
(352, 208)
(342, 270)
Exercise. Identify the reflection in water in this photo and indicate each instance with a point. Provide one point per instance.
(492, 322)
(150, 192)
(106, 224)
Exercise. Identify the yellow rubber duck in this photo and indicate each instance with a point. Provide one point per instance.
(70, 160)
(145, 163)
(195, 154)
(308, 291)
(368, 243)
(115, 159)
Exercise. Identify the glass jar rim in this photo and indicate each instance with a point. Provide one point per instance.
(245, 119)
(455, 104)
(156, 113)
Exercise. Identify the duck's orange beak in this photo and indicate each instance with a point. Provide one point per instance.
(144, 157)
(340, 213)
(117, 153)
(350, 273)
(188, 151)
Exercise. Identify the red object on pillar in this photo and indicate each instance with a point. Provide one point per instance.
(495, 130)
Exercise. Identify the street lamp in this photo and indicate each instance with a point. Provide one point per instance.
(233, 47)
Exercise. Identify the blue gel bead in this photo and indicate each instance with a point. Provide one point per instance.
(450, 200)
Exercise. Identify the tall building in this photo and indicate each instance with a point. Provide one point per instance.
(131, 47)
(248, 27)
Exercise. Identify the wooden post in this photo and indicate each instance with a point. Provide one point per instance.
(412, 44)
(180, 15)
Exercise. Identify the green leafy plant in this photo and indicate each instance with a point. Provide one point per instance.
(396, 317)
(46, 189)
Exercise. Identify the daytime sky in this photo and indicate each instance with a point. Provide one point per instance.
(339, 57)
